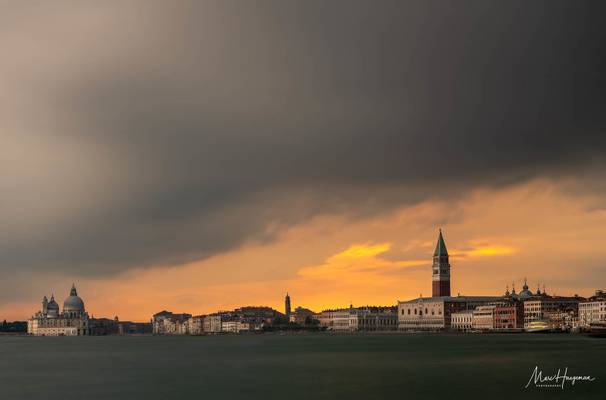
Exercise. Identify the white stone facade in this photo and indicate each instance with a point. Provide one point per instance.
(435, 313)
(483, 318)
(462, 321)
(359, 319)
(592, 312)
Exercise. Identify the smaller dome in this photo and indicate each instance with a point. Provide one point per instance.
(52, 304)
(52, 308)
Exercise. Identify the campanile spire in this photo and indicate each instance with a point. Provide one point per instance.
(440, 269)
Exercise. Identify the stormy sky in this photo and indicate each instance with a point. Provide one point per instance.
(141, 134)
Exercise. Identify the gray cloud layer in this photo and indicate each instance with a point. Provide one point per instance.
(148, 133)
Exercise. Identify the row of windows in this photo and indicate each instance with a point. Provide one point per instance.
(589, 305)
(380, 322)
(421, 323)
(420, 312)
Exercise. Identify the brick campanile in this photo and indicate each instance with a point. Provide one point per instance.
(441, 269)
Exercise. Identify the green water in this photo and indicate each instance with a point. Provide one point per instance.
(318, 366)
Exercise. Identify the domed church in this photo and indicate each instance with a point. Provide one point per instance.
(525, 293)
(73, 306)
(73, 321)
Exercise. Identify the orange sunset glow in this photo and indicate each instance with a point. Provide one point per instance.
(331, 260)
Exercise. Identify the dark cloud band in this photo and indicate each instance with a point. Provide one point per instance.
(192, 127)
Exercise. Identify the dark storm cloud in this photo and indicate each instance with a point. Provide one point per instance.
(152, 133)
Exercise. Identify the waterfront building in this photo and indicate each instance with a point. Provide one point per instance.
(257, 316)
(509, 316)
(494, 315)
(368, 318)
(302, 316)
(462, 321)
(72, 321)
(241, 319)
(212, 323)
(440, 269)
(540, 308)
(234, 326)
(323, 318)
(593, 310)
(435, 313)
(335, 320)
(104, 326)
(565, 319)
(195, 325)
(167, 323)
(134, 328)
(483, 318)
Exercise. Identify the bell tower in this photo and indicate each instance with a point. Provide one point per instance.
(287, 306)
(440, 269)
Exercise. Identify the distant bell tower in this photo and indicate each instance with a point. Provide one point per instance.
(44, 305)
(441, 269)
(287, 306)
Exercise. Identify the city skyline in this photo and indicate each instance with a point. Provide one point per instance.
(362, 252)
(511, 311)
(343, 199)
(206, 155)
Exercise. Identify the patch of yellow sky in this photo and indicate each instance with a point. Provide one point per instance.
(534, 230)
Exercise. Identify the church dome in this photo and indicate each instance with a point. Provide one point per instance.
(73, 303)
(525, 292)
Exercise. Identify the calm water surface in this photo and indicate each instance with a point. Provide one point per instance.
(310, 366)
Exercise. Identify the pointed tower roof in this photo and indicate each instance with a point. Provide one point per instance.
(440, 246)
(73, 291)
